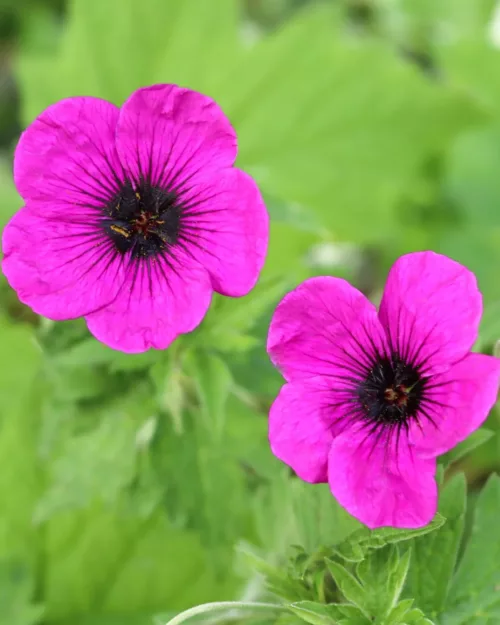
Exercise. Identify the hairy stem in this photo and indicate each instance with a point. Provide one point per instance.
(220, 606)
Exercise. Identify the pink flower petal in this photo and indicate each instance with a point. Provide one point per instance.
(226, 227)
(68, 156)
(431, 310)
(380, 480)
(324, 327)
(301, 427)
(459, 401)
(159, 300)
(174, 137)
(59, 268)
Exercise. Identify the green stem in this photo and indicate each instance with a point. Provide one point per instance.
(221, 606)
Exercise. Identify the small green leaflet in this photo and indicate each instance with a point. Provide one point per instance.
(356, 546)
(333, 614)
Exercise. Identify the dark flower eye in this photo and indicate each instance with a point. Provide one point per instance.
(391, 392)
(133, 216)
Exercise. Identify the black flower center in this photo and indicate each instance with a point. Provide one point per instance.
(142, 219)
(392, 391)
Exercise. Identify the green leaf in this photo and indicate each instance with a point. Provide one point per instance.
(92, 352)
(417, 617)
(471, 179)
(92, 59)
(294, 215)
(398, 576)
(71, 384)
(304, 145)
(213, 383)
(223, 507)
(222, 499)
(351, 148)
(21, 395)
(99, 464)
(398, 612)
(21, 359)
(170, 383)
(314, 613)
(435, 555)
(287, 255)
(470, 57)
(473, 185)
(349, 586)
(203, 472)
(470, 65)
(145, 566)
(246, 429)
(229, 321)
(348, 614)
(478, 248)
(16, 592)
(476, 439)
(277, 578)
(320, 519)
(355, 547)
(404, 614)
(293, 512)
(383, 574)
(474, 590)
(332, 614)
(467, 20)
(87, 352)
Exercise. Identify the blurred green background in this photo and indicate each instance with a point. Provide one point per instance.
(130, 485)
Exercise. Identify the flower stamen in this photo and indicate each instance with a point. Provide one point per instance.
(392, 391)
(398, 395)
(142, 220)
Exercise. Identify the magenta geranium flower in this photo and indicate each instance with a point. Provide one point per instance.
(133, 216)
(373, 397)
